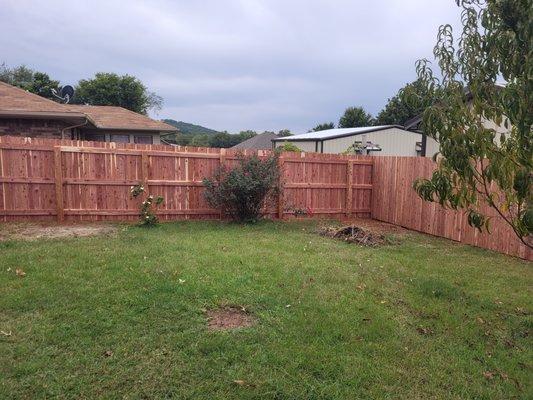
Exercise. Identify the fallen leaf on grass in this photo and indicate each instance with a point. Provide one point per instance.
(108, 353)
(239, 382)
(20, 272)
(181, 281)
(480, 320)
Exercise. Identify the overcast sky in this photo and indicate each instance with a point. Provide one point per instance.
(233, 64)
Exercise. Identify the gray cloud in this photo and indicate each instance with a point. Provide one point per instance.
(233, 64)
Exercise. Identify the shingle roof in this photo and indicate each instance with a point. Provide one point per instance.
(110, 117)
(262, 141)
(17, 101)
(335, 133)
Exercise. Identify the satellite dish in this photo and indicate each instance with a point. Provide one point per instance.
(65, 93)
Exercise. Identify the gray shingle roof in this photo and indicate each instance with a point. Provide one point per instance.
(262, 141)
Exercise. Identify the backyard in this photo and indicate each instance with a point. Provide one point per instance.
(126, 314)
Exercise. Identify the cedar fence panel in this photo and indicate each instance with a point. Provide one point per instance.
(396, 202)
(68, 180)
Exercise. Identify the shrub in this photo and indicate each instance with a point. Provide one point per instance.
(241, 192)
(288, 146)
(146, 211)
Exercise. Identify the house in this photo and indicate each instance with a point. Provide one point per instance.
(263, 141)
(386, 140)
(27, 114)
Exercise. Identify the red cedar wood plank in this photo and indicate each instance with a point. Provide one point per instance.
(281, 194)
(58, 173)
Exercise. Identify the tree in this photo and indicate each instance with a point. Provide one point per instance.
(36, 82)
(43, 85)
(199, 141)
(284, 133)
(398, 109)
(322, 127)
(109, 89)
(355, 117)
(476, 166)
(222, 139)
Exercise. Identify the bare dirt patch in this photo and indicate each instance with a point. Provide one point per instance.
(32, 231)
(227, 318)
(354, 234)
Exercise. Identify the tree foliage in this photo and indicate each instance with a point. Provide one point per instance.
(26, 78)
(241, 192)
(476, 164)
(110, 89)
(289, 146)
(399, 109)
(354, 117)
(217, 140)
(284, 133)
(324, 126)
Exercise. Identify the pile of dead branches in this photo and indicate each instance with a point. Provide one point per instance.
(353, 234)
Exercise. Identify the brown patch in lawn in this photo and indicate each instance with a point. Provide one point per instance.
(227, 318)
(353, 234)
(32, 231)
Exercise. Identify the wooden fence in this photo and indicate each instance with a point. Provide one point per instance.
(88, 181)
(68, 180)
(395, 201)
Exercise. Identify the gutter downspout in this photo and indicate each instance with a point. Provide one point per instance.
(72, 127)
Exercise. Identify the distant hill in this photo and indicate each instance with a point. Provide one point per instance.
(191, 129)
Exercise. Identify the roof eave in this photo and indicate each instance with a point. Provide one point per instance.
(340, 135)
(41, 114)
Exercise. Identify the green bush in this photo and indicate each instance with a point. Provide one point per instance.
(288, 146)
(241, 192)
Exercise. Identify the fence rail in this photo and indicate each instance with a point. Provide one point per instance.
(68, 180)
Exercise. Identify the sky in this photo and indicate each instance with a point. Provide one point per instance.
(233, 64)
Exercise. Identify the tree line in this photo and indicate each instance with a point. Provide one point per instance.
(398, 110)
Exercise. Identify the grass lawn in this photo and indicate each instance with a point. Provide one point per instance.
(123, 316)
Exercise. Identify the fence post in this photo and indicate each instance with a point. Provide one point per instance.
(280, 188)
(58, 177)
(349, 191)
(222, 161)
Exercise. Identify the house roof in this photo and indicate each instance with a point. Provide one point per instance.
(16, 102)
(110, 117)
(336, 133)
(262, 141)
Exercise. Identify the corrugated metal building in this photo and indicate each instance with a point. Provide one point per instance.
(386, 140)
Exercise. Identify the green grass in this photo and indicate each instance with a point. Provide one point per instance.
(424, 318)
